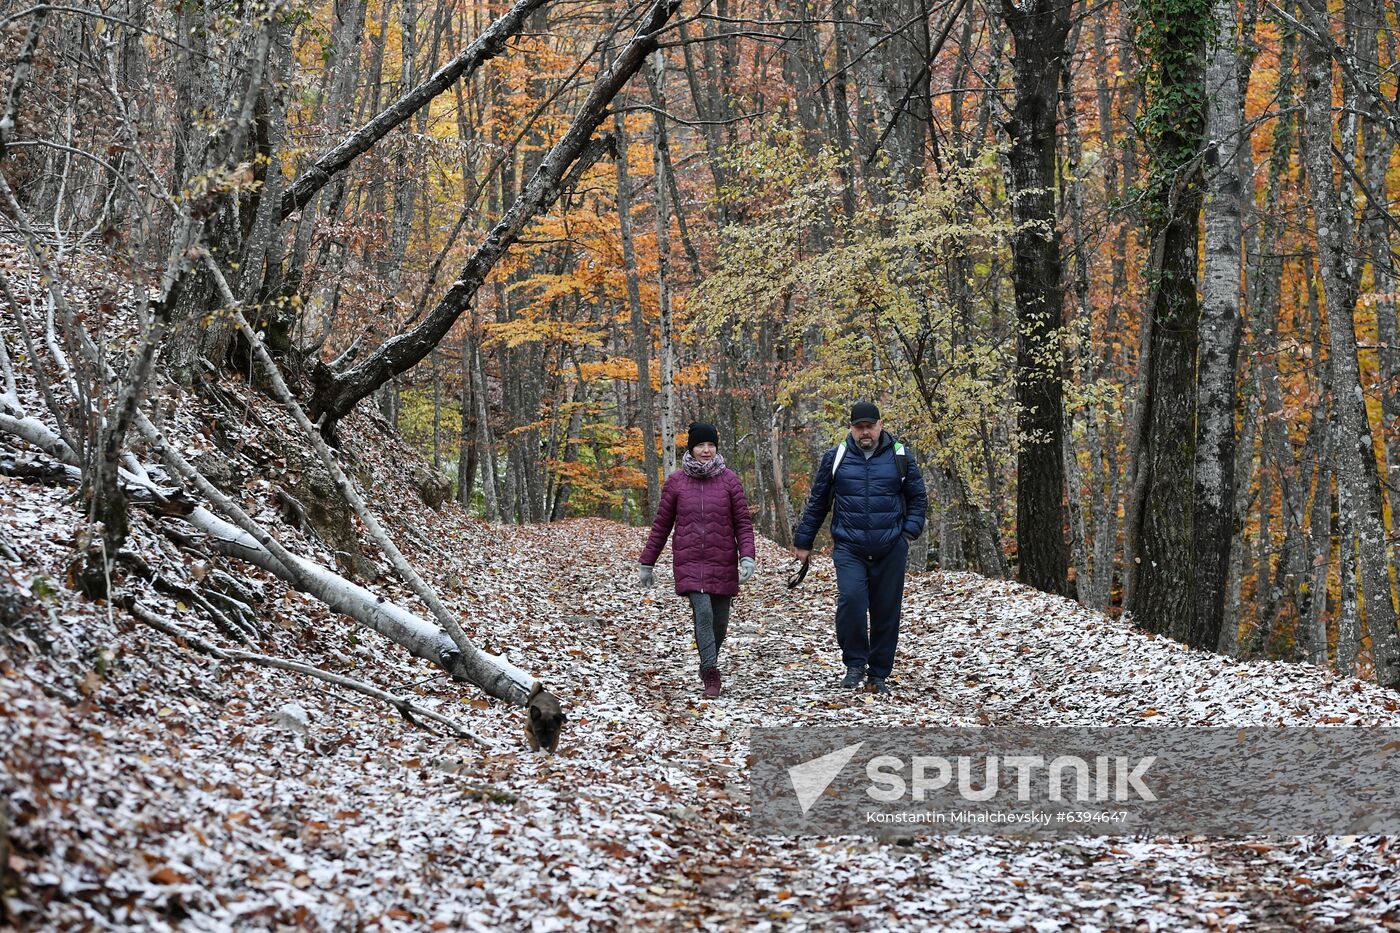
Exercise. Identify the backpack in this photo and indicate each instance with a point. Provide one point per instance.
(901, 462)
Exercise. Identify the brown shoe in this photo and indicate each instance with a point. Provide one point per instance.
(710, 676)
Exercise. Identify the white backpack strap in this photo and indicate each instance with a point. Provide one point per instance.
(836, 462)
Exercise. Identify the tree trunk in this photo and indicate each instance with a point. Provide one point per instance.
(1092, 518)
(573, 438)
(1377, 147)
(641, 332)
(660, 146)
(1163, 600)
(841, 105)
(1120, 178)
(782, 515)
(466, 439)
(1265, 274)
(1320, 524)
(405, 162)
(1040, 30)
(485, 445)
(1359, 494)
(437, 414)
(1219, 331)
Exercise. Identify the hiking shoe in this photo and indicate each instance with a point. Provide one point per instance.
(877, 685)
(710, 676)
(853, 678)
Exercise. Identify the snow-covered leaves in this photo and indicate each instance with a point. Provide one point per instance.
(159, 788)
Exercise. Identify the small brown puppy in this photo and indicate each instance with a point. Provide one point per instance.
(546, 720)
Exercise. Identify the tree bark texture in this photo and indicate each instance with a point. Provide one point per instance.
(1163, 600)
(1359, 493)
(1219, 330)
(1040, 30)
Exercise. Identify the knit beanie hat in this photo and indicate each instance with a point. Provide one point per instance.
(699, 433)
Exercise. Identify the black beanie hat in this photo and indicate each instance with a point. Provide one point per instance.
(699, 433)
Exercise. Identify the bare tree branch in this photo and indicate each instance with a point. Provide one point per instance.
(1385, 112)
(913, 85)
(23, 66)
(43, 9)
(667, 115)
(507, 151)
(407, 708)
(337, 393)
(486, 47)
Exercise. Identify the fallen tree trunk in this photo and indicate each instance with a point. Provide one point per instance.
(37, 434)
(252, 543)
(337, 393)
(418, 637)
(482, 670)
(247, 540)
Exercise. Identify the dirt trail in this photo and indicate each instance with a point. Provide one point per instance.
(972, 652)
(172, 796)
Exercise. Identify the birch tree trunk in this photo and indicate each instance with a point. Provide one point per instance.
(1219, 330)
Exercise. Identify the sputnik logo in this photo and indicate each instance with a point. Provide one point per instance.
(810, 779)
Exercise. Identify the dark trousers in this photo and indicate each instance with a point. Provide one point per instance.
(871, 590)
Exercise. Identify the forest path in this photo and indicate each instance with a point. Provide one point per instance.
(972, 652)
(176, 796)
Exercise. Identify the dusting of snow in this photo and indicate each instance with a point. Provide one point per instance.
(150, 787)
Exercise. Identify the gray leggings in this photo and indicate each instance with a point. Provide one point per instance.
(711, 624)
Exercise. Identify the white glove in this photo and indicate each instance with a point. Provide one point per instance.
(746, 569)
(644, 576)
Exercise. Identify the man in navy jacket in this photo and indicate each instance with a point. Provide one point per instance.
(876, 495)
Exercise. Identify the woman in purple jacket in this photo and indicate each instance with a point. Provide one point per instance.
(712, 551)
